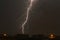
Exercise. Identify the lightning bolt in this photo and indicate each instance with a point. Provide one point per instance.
(27, 15)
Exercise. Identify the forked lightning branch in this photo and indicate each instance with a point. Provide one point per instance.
(27, 15)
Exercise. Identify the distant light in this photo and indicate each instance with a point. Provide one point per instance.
(4, 34)
(52, 36)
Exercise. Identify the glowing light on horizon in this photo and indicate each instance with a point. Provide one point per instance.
(27, 15)
(52, 36)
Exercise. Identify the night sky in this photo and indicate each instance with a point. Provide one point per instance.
(44, 17)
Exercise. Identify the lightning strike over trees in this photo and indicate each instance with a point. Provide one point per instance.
(27, 15)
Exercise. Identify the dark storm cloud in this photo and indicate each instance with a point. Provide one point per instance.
(8, 16)
(44, 16)
(11, 15)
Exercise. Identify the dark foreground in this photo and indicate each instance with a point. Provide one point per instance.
(29, 37)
